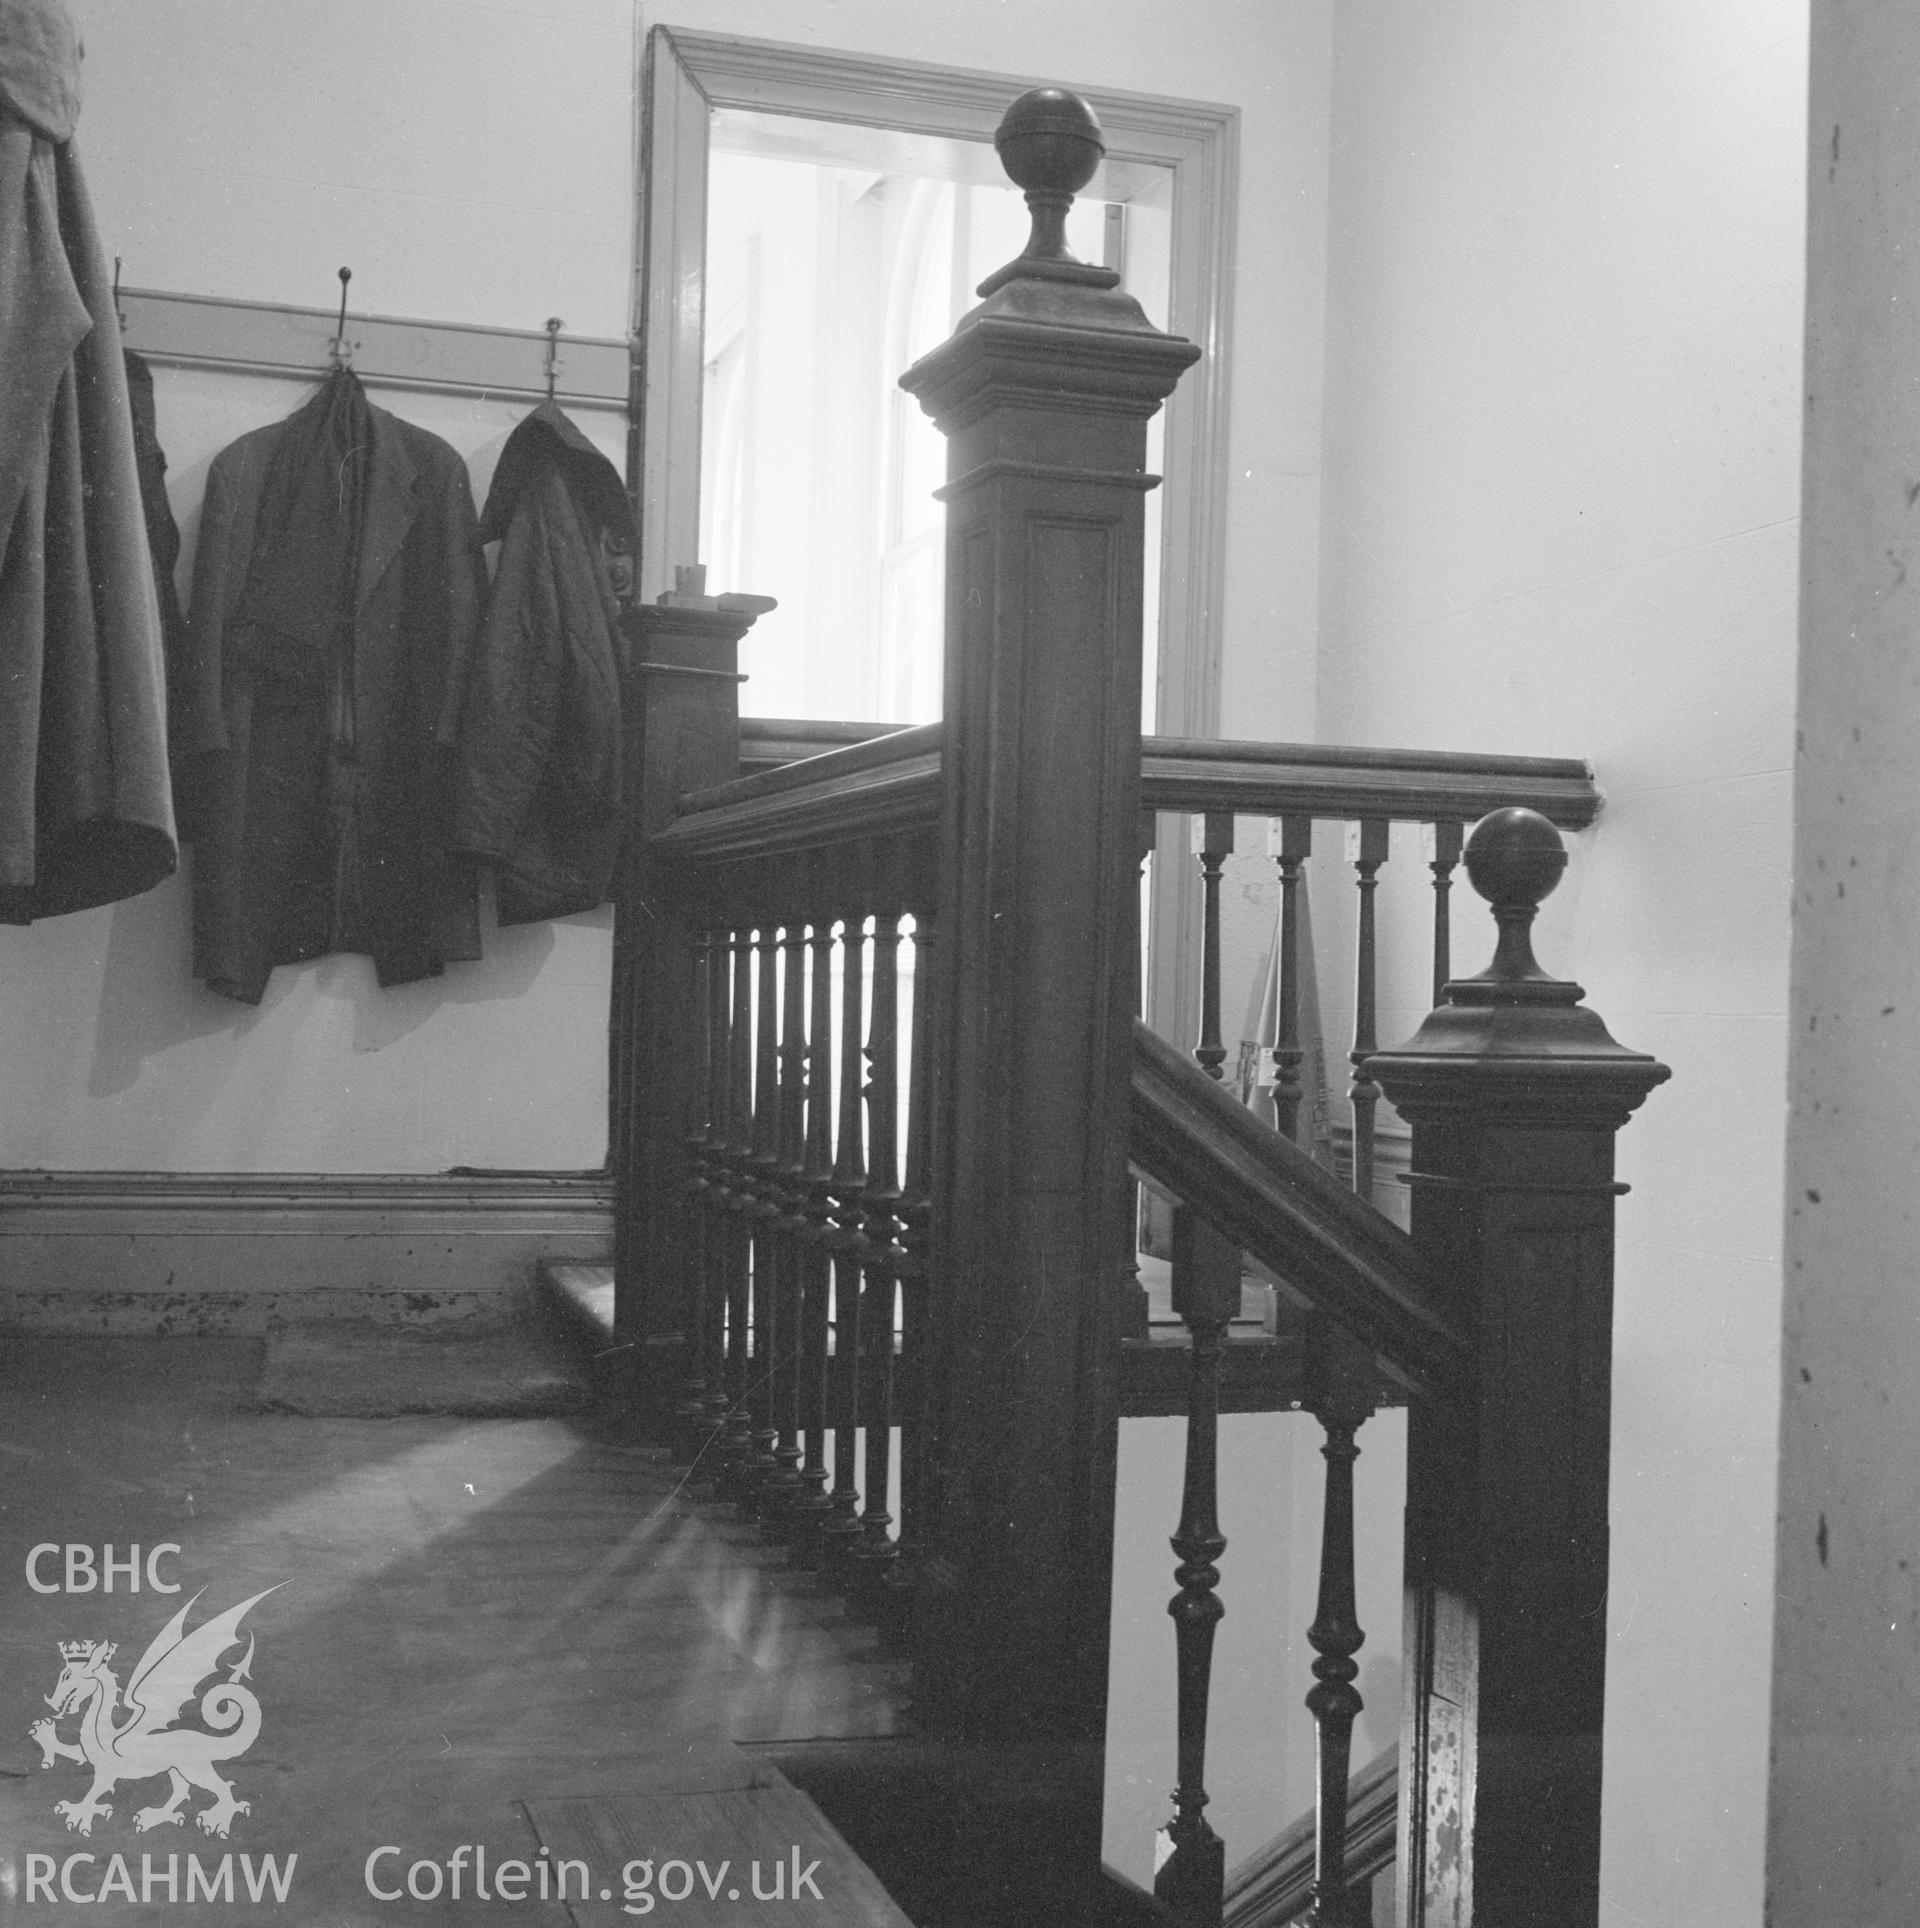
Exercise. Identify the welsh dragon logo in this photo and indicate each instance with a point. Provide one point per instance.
(136, 1740)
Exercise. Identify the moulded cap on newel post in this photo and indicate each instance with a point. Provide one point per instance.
(1050, 327)
(1512, 1034)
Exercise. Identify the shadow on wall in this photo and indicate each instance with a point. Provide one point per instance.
(510, 961)
(150, 1003)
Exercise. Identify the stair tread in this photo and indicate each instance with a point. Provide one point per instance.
(585, 1287)
(753, 1829)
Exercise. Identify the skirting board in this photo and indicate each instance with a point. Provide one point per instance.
(159, 1252)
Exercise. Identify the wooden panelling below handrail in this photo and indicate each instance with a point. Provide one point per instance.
(1271, 1199)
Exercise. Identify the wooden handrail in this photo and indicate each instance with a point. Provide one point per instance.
(869, 784)
(767, 742)
(823, 765)
(1336, 781)
(1279, 1207)
(889, 783)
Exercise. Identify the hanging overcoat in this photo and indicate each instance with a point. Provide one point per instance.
(85, 816)
(322, 700)
(540, 782)
(163, 541)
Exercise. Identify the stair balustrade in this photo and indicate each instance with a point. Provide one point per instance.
(876, 1265)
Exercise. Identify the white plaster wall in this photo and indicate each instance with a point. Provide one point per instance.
(114, 1058)
(1846, 1773)
(475, 163)
(470, 160)
(1565, 284)
(470, 163)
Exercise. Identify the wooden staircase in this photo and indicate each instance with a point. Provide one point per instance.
(875, 1232)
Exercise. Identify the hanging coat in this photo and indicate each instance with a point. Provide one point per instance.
(163, 543)
(336, 596)
(540, 779)
(85, 816)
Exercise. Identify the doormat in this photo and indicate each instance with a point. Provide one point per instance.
(343, 1369)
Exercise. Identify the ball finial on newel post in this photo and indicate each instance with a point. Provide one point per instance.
(1512, 1011)
(1515, 859)
(1050, 143)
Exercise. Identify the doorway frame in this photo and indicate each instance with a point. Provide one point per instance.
(686, 75)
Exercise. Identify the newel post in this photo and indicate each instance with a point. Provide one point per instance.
(681, 722)
(1044, 393)
(1514, 1091)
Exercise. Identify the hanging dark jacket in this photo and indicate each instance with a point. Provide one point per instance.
(163, 542)
(336, 596)
(540, 786)
(85, 816)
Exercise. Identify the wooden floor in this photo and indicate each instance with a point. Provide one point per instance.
(467, 1616)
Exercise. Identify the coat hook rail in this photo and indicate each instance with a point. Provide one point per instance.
(499, 364)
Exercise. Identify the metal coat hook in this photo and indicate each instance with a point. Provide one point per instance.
(120, 314)
(340, 348)
(553, 354)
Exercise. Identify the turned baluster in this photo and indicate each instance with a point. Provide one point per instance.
(881, 1228)
(738, 1440)
(1370, 854)
(764, 1206)
(712, 1336)
(1341, 1398)
(910, 1377)
(816, 1187)
(690, 1415)
(1206, 1295)
(1289, 843)
(1134, 1313)
(1212, 836)
(1448, 839)
(784, 1367)
(842, 1524)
